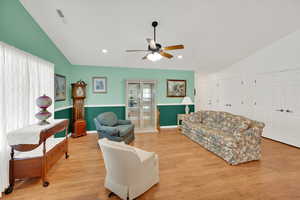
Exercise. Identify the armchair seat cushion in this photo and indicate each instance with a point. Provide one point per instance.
(125, 129)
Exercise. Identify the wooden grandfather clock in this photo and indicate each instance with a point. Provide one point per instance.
(78, 95)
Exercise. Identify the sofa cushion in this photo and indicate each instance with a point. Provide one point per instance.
(234, 124)
(225, 121)
(124, 129)
(215, 136)
(108, 119)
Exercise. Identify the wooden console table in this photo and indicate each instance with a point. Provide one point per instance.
(37, 166)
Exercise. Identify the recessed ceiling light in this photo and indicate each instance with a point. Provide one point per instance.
(179, 56)
(104, 50)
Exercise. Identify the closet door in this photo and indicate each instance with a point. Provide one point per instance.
(236, 95)
(291, 101)
(275, 129)
(225, 95)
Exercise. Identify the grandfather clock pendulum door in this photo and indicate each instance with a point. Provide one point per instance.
(78, 95)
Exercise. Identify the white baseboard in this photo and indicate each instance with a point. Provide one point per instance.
(91, 132)
(174, 126)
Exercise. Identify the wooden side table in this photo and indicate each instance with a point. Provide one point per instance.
(180, 117)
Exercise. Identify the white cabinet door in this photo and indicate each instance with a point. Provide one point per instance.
(282, 124)
(275, 89)
(224, 95)
(291, 100)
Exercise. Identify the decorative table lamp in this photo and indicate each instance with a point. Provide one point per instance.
(187, 101)
(43, 102)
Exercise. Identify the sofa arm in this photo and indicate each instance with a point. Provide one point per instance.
(124, 122)
(253, 133)
(193, 117)
(107, 130)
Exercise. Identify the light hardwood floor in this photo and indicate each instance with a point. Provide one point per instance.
(187, 171)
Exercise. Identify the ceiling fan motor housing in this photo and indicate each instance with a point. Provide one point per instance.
(158, 47)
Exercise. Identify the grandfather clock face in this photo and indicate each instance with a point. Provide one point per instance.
(78, 100)
(79, 92)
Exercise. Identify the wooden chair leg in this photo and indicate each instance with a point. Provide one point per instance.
(67, 155)
(111, 194)
(44, 166)
(11, 173)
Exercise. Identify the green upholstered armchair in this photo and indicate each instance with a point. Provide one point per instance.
(108, 126)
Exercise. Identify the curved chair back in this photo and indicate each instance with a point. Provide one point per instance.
(107, 119)
(120, 161)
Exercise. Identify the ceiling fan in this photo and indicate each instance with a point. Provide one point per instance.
(155, 51)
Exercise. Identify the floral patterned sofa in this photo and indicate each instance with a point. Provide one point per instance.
(234, 138)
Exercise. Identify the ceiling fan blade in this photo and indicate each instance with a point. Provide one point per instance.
(137, 50)
(167, 55)
(151, 43)
(174, 47)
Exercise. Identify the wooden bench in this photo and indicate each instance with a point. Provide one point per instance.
(35, 160)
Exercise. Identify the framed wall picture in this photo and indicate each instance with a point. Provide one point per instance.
(176, 88)
(60, 87)
(99, 85)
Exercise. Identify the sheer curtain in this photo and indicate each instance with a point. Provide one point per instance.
(23, 77)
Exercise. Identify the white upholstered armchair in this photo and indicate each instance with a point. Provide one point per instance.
(129, 171)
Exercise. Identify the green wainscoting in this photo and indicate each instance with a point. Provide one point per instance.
(64, 114)
(168, 113)
(92, 112)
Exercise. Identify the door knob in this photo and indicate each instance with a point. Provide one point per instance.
(280, 110)
(288, 111)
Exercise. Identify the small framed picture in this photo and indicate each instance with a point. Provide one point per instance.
(99, 85)
(60, 87)
(176, 88)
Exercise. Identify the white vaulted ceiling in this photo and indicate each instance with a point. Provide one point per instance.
(216, 33)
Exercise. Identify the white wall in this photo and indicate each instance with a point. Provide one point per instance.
(262, 86)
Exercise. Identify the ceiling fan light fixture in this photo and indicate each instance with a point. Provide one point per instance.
(154, 57)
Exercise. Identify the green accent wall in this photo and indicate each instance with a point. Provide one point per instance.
(19, 29)
(116, 77)
(168, 114)
(92, 112)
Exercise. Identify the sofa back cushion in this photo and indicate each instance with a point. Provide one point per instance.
(108, 119)
(225, 121)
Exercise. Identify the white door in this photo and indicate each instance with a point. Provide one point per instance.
(291, 101)
(276, 127)
(282, 123)
(225, 95)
